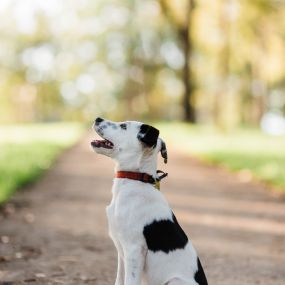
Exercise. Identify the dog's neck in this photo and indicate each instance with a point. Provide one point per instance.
(145, 165)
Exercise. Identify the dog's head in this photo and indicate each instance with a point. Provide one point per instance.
(128, 142)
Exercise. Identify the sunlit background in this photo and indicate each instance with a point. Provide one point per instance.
(218, 62)
(212, 63)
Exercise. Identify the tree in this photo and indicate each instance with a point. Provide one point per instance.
(183, 28)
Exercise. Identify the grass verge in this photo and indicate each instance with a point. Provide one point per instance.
(26, 151)
(246, 150)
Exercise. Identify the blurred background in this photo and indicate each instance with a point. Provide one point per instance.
(210, 63)
(218, 62)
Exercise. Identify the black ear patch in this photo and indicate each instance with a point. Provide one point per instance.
(148, 135)
(163, 151)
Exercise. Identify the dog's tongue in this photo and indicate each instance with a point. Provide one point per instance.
(102, 143)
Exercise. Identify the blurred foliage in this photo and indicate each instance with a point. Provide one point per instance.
(26, 151)
(63, 59)
(248, 151)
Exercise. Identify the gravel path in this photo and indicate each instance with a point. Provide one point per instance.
(55, 232)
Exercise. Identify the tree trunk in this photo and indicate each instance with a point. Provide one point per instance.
(221, 111)
(188, 102)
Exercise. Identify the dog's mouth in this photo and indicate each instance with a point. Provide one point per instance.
(102, 143)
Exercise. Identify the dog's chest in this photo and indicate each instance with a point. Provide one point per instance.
(132, 208)
(122, 215)
(110, 211)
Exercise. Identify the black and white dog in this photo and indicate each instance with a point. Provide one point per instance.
(148, 238)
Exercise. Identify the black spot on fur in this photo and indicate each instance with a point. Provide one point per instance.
(200, 276)
(123, 126)
(165, 235)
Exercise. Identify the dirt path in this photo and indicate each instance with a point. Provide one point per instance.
(56, 231)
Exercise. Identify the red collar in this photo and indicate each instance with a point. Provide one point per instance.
(143, 177)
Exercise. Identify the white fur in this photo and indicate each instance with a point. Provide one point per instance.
(136, 204)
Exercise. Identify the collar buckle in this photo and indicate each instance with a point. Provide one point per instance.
(159, 178)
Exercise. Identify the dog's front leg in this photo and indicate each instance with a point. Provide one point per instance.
(134, 264)
(120, 271)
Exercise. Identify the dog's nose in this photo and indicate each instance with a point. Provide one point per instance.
(98, 121)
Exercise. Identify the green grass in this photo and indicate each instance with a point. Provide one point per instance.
(26, 151)
(244, 149)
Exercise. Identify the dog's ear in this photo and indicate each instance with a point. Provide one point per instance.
(148, 135)
(163, 151)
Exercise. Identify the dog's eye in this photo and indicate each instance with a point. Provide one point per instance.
(123, 126)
